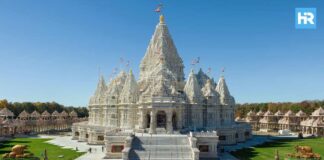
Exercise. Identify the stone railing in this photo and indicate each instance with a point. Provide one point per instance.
(125, 153)
(81, 124)
(163, 100)
(158, 99)
(203, 134)
(118, 134)
(194, 150)
(126, 150)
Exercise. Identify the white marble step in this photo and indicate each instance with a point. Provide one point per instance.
(160, 148)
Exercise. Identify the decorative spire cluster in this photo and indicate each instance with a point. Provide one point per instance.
(100, 93)
(210, 93)
(130, 91)
(161, 75)
(222, 89)
(192, 89)
(161, 50)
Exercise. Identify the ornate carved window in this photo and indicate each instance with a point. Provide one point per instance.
(222, 138)
(117, 148)
(203, 148)
(100, 138)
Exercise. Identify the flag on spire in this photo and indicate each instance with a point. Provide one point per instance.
(158, 8)
(195, 61)
(223, 69)
(99, 71)
(209, 70)
(115, 71)
(127, 64)
(121, 59)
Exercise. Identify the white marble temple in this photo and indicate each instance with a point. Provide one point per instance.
(161, 101)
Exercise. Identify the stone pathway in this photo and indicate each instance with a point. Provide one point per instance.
(67, 142)
(97, 154)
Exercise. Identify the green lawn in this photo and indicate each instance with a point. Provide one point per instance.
(267, 151)
(37, 146)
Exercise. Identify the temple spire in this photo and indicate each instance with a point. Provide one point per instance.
(129, 94)
(222, 89)
(99, 95)
(161, 46)
(161, 61)
(192, 89)
(209, 92)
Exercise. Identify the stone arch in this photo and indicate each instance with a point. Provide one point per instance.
(174, 120)
(100, 138)
(148, 120)
(161, 119)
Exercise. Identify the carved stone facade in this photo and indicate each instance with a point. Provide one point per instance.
(295, 122)
(31, 123)
(161, 102)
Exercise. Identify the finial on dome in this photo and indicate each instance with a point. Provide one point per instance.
(161, 18)
(222, 72)
(192, 71)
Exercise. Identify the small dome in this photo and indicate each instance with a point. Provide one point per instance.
(279, 113)
(55, 114)
(34, 114)
(318, 112)
(24, 114)
(192, 89)
(260, 113)
(5, 112)
(46, 114)
(268, 113)
(300, 113)
(238, 119)
(251, 113)
(289, 113)
(222, 89)
(64, 114)
(73, 114)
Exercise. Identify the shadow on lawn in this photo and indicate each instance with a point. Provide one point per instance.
(249, 153)
(15, 141)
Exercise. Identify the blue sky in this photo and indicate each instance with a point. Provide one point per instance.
(51, 50)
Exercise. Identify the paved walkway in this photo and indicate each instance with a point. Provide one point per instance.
(67, 142)
(97, 154)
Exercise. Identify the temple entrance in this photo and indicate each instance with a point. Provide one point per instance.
(161, 119)
(174, 121)
(100, 138)
(148, 120)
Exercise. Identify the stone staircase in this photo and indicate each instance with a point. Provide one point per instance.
(160, 147)
(160, 131)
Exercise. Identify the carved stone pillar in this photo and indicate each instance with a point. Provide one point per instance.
(105, 117)
(131, 117)
(153, 123)
(179, 117)
(169, 126)
(141, 119)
